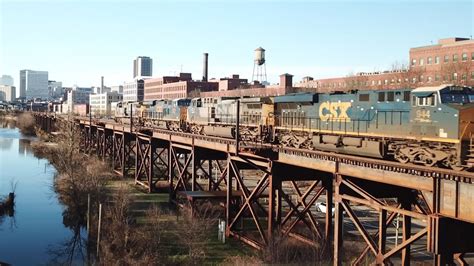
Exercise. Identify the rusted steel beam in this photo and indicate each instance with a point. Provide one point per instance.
(248, 200)
(358, 260)
(382, 236)
(405, 243)
(338, 223)
(385, 207)
(360, 227)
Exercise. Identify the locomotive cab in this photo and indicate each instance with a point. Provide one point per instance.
(444, 116)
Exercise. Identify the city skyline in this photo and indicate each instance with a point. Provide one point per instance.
(312, 38)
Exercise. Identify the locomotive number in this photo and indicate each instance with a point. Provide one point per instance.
(423, 114)
(334, 111)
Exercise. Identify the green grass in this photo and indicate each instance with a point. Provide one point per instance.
(216, 252)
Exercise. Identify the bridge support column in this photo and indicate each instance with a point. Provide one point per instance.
(238, 166)
(124, 153)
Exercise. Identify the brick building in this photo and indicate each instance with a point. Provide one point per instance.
(172, 87)
(451, 60)
(256, 90)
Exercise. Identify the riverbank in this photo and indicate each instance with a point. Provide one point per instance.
(136, 227)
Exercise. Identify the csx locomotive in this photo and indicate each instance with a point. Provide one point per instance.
(432, 126)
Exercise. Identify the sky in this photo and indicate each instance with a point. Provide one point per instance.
(80, 41)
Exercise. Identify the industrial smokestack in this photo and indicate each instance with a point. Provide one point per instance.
(205, 64)
(102, 84)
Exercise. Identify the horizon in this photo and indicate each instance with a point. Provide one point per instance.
(78, 42)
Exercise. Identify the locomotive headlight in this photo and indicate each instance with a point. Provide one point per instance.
(455, 115)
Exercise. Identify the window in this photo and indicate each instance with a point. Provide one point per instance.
(437, 60)
(427, 101)
(472, 56)
(446, 58)
(429, 60)
(464, 57)
(413, 80)
(464, 76)
(455, 58)
(390, 96)
(385, 82)
(413, 101)
(428, 79)
(413, 62)
(364, 97)
(445, 77)
(406, 96)
(472, 75)
(455, 76)
(437, 77)
(422, 61)
(381, 96)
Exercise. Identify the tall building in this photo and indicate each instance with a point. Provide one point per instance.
(33, 84)
(7, 93)
(142, 67)
(6, 80)
(55, 89)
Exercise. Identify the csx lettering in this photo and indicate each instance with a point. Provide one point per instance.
(334, 111)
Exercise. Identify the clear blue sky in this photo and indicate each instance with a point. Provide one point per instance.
(78, 41)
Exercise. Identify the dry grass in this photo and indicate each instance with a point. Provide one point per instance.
(26, 124)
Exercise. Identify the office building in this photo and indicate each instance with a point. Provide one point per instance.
(33, 84)
(7, 93)
(142, 67)
(133, 91)
(77, 96)
(55, 89)
(6, 80)
(100, 104)
(118, 89)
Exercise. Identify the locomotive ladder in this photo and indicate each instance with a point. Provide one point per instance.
(470, 155)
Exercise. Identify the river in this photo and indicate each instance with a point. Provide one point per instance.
(36, 233)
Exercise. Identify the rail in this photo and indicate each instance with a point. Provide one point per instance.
(418, 170)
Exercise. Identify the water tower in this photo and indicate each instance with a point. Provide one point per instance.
(259, 68)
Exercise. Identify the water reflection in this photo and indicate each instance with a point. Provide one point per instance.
(48, 229)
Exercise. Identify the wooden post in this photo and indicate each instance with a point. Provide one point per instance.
(88, 213)
(98, 230)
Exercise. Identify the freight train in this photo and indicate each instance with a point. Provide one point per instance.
(431, 126)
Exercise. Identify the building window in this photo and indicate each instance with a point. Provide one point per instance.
(464, 57)
(385, 82)
(472, 75)
(446, 58)
(437, 77)
(455, 76)
(413, 62)
(422, 61)
(445, 77)
(428, 79)
(429, 61)
(455, 58)
(472, 56)
(437, 60)
(413, 80)
(464, 76)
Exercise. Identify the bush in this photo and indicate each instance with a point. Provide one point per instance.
(26, 124)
